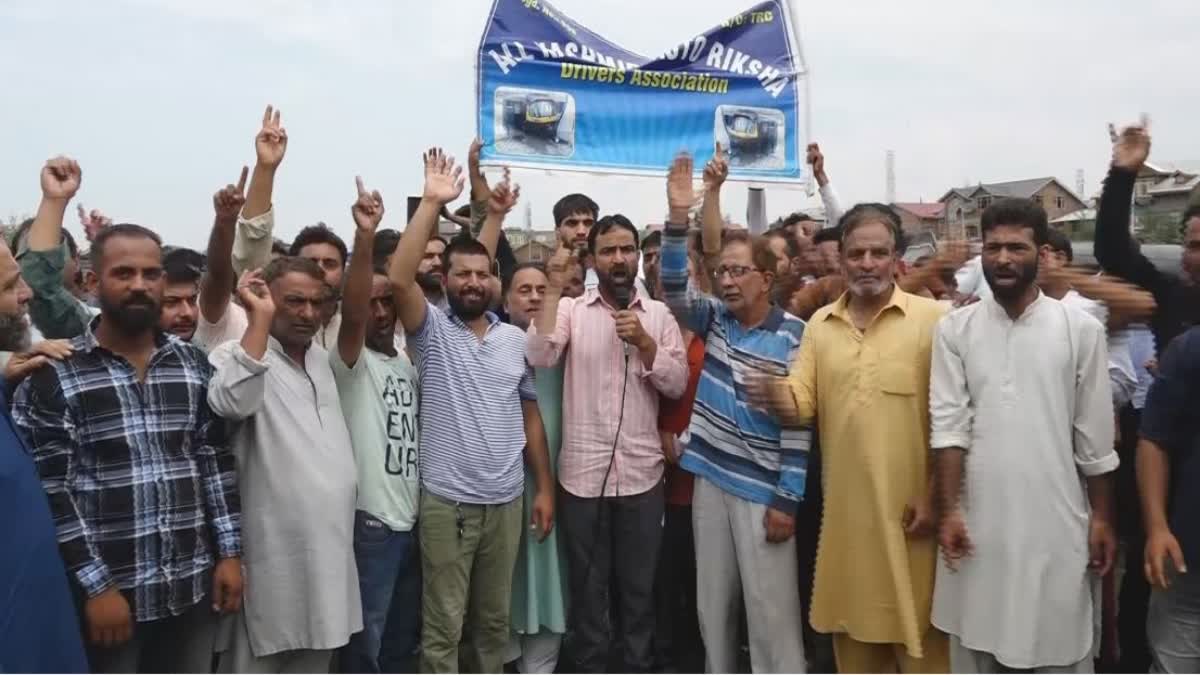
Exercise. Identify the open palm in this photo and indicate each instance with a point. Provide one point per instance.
(681, 194)
(1131, 147)
(443, 180)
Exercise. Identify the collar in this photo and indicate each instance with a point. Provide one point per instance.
(772, 322)
(996, 308)
(841, 306)
(592, 296)
(89, 343)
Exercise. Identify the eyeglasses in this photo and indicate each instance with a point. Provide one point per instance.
(735, 271)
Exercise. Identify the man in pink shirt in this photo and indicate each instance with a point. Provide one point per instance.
(625, 351)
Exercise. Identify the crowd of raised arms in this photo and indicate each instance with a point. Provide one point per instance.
(791, 451)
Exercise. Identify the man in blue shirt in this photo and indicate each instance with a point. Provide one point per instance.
(1169, 463)
(39, 630)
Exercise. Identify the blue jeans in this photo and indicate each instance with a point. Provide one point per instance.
(389, 578)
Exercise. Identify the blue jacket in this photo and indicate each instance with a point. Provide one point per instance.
(39, 627)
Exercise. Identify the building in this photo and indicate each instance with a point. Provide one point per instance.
(532, 245)
(916, 217)
(965, 205)
(1163, 190)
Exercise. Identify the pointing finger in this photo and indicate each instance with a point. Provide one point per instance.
(267, 116)
(359, 184)
(241, 186)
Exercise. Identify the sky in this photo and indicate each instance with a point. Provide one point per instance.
(159, 100)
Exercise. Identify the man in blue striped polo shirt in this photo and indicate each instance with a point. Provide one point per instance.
(749, 472)
(475, 386)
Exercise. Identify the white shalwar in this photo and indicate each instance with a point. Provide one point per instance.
(1030, 402)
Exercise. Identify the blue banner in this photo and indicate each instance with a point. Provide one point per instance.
(554, 95)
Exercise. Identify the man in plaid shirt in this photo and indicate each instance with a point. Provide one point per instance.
(140, 481)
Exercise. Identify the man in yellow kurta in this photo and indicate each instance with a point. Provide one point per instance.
(862, 373)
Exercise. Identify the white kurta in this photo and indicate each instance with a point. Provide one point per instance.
(298, 478)
(1029, 400)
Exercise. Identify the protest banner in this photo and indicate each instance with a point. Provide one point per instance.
(552, 94)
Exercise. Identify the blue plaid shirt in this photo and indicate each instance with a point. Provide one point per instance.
(140, 480)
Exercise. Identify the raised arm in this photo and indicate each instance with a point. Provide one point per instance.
(829, 199)
(356, 300)
(501, 200)
(55, 312)
(691, 307)
(550, 332)
(216, 287)
(713, 223)
(255, 232)
(443, 184)
(238, 386)
(1115, 250)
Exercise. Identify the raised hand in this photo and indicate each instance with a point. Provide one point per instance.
(93, 222)
(816, 160)
(681, 194)
(368, 209)
(443, 180)
(1131, 147)
(504, 196)
(557, 266)
(61, 178)
(717, 169)
(229, 200)
(271, 142)
(255, 296)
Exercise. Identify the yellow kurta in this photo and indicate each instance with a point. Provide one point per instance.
(868, 393)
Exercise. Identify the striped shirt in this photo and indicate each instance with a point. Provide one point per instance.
(140, 479)
(472, 425)
(597, 377)
(738, 448)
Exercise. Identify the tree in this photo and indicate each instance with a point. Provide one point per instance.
(1160, 228)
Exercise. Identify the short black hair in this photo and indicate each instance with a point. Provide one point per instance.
(183, 266)
(827, 234)
(1025, 213)
(120, 230)
(796, 218)
(384, 245)
(652, 240)
(607, 223)
(319, 234)
(572, 204)
(873, 212)
(464, 245)
(279, 247)
(1060, 243)
(288, 264)
(519, 268)
(789, 240)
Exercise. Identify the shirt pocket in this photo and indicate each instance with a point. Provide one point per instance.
(898, 379)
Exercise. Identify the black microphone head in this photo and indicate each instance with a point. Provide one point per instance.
(622, 295)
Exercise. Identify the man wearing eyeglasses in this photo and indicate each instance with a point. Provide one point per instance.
(750, 472)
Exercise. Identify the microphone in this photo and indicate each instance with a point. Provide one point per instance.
(622, 295)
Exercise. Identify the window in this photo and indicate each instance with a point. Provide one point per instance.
(984, 202)
(1059, 202)
(1037, 199)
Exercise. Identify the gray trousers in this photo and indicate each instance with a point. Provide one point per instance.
(179, 644)
(736, 565)
(612, 539)
(1173, 626)
(964, 660)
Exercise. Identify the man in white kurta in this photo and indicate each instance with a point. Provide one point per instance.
(1029, 402)
(297, 476)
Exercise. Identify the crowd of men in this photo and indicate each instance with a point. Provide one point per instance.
(677, 451)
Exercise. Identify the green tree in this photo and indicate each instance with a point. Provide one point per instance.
(1160, 228)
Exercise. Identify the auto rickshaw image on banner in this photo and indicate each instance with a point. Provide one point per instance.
(552, 94)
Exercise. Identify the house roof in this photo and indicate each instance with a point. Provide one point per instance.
(1014, 188)
(1175, 183)
(1082, 215)
(923, 210)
